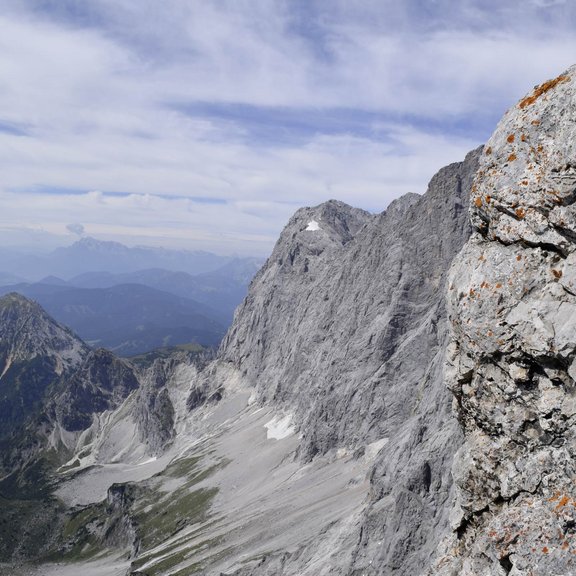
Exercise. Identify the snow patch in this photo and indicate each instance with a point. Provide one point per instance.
(375, 447)
(148, 461)
(253, 398)
(279, 427)
(313, 226)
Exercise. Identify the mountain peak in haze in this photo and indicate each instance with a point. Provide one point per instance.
(92, 255)
(90, 243)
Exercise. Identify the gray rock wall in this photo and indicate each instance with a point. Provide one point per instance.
(345, 328)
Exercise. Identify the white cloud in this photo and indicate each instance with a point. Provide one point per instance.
(98, 103)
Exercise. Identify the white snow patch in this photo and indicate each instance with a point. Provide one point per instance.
(313, 226)
(253, 398)
(375, 447)
(279, 427)
(148, 461)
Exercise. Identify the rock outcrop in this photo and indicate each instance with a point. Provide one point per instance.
(512, 359)
(101, 383)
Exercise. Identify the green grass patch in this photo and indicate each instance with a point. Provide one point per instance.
(180, 555)
(78, 538)
(159, 523)
(160, 516)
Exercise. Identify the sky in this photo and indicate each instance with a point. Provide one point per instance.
(205, 124)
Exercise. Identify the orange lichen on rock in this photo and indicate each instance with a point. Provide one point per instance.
(520, 213)
(510, 138)
(498, 285)
(523, 138)
(542, 89)
(488, 199)
(519, 257)
(535, 122)
(563, 501)
(478, 202)
(512, 157)
(557, 273)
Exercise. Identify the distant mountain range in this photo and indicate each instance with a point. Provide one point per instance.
(89, 255)
(133, 300)
(222, 289)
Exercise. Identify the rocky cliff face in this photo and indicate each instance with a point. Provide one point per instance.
(345, 330)
(101, 383)
(512, 358)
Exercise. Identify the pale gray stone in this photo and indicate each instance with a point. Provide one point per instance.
(511, 363)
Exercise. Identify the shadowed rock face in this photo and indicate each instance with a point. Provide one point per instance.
(102, 383)
(512, 307)
(345, 328)
(35, 352)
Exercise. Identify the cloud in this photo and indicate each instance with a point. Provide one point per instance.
(77, 229)
(207, 123)
(547, 3)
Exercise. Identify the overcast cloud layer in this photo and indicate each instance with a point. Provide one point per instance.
(205, 124)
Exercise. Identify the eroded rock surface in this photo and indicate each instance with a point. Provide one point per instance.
(345, 330)
(512, 308)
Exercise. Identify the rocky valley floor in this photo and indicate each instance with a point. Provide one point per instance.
(253, 499)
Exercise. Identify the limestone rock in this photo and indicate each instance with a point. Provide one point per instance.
(512, 311)
(345, 329)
